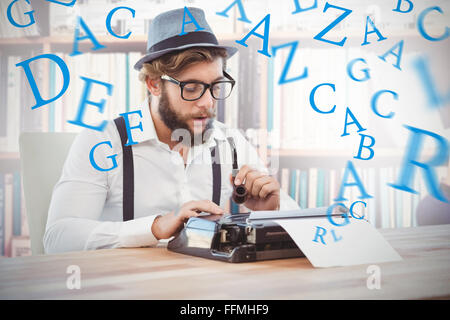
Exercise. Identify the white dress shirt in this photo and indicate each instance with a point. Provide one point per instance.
(86, 207)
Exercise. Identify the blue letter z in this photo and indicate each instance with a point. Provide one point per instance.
(333, 24)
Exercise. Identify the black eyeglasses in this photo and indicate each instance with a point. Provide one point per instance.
(194, 90)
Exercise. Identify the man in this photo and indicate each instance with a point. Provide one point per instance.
(174, 134)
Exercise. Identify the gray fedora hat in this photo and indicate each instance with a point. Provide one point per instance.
(164, 35)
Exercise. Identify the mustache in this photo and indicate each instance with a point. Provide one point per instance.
(209, 114)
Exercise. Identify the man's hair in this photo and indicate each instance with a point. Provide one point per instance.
(173, 63)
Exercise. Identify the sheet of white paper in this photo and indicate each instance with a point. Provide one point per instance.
(358, 242)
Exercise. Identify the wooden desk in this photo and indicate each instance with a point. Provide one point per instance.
(155, 273)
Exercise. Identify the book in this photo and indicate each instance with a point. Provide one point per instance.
(20, 246)
(326, 188)
(3, 99)
(407, 209)
(13, 105)
(297, 186)
(234, 207)
(58, 111)
(372, 207)
(392, 218)
(312, 187)
(415, 201)
(232, 102)
(320, 188)
(25, 230)
(384, 192)
(17, 212)
(2, 213)
(292, 183)
(270, 96)
(333, 186)
(275, 102)
(51, 106)
(30, 119)
(118, 76)
(399, 213)
(303, 201)
(284, 181)
(8, 214)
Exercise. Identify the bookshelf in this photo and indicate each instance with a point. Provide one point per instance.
(141, 39)
(261, 105)
(9, 162)
(103, 39)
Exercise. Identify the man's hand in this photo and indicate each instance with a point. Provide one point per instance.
(170, 224)
(263, 190)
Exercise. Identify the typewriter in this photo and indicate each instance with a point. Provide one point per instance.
(243, 237)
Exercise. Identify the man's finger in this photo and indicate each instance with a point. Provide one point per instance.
(268, 188)
(259, 183)
(207, 206)
(240, 177)
(250, 179)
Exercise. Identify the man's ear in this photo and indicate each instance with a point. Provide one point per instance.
(154, 86)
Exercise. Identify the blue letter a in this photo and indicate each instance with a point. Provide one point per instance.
(265, 37)
(89, 35)
(375, 30)
(358, 183)
(243, 16)
(349, 113)
(186, 11)
(399, 45)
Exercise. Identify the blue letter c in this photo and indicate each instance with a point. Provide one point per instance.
(108, 22)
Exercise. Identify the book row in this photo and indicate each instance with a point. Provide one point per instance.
(16, 97)
(14, 232)
(284, 111)
(388, 207)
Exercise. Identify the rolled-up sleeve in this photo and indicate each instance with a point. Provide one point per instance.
(78, 200)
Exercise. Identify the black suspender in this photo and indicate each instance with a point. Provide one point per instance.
(217, 176)
(128, 171)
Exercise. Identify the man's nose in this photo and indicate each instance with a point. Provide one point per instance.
(206, 101)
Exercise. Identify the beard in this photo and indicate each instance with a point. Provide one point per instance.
(176, 121)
